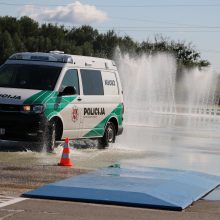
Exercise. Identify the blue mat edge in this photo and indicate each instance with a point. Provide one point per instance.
(174, 207)
(100, 201)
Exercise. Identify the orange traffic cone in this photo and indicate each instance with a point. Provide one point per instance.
(65, 159)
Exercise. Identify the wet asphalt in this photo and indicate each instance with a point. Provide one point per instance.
(167, 141)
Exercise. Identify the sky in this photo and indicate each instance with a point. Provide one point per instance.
(191, 21)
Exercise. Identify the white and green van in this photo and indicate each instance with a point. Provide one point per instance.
(50, 96)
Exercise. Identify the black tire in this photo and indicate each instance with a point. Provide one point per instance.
(109, 136)
(48, 140)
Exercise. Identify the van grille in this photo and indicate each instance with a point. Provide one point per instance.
(9, 108)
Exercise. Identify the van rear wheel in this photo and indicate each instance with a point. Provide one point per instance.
(109, 136)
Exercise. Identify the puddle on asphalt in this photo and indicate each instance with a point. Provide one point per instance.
(83, 158)
(178, 145)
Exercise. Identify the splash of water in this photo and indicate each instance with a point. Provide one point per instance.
(196, 92)
(161, 103)
(148, 83)
(151, 85)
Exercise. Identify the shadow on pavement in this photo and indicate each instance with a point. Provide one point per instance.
(84, 144)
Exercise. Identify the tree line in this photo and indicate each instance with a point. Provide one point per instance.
(26, 34)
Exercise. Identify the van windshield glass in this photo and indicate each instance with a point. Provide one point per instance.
(37, 77)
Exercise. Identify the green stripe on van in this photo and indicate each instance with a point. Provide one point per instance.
(33, 98)
(52, 102)
(53, 108)
(99, 129)
(41, 97)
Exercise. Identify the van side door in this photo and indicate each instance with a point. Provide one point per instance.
(94, 110)
(71, 113)
(97, 106)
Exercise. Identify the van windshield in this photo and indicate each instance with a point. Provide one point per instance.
(36, 77)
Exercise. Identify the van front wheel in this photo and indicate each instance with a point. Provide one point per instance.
(109, 136)
(51, 137)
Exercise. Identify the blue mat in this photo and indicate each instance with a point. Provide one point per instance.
(140, 187)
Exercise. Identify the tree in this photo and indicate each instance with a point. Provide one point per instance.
(105, 44)
(127, 44)
(53, 32)
(87, 49)
(82, 35)
(6, 46)
(9, 24)
(28, 27)
(31, 44)
(25, 34)
(18, 43)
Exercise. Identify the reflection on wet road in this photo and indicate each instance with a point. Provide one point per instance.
(171, 141)
(182, 142)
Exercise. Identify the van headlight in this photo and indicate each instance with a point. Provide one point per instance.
(37, 109)
(26, 108)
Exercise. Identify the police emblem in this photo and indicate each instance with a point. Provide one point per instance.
(75, 114)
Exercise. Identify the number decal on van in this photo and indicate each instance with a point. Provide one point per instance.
(110, 82)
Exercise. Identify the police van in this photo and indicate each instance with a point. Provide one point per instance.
(49, 96)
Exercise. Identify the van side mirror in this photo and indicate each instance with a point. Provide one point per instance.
(69, 90)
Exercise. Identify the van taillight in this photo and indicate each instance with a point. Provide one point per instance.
(123, 108)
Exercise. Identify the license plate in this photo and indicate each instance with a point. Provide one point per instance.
(2, 131)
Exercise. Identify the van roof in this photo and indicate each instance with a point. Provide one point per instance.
(61, 57)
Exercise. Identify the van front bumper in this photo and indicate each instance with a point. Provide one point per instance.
(16, 126)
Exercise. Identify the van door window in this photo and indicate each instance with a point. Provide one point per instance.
(92, 82)
(71, 79)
